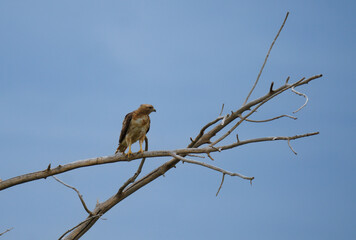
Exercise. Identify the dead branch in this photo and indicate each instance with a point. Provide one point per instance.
(212, 159)
(105, 206)
(7, 230)
(271, 119)
(79, 195)
(300, 94)
(133, 178)
(264, 63)
(222, 109)
(222, 181)
(291, 147)
(76, 226)
(210, 166)
(201, 138)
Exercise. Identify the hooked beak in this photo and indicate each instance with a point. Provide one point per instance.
(154, 110)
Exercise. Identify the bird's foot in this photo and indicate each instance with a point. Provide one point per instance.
(128, 153)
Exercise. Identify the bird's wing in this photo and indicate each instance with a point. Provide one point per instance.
(149, 124)
(125, 126)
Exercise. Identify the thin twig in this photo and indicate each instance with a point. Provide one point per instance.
(271, 119)
(239, 122)
(7, 230)
(222, 109)
(133, 178)
(237, 138)
(300, 94)
(268, 97)
(290, 146)
(212, 159)
(264, 63)
(79, 195)
(201, 133)
(222, 181)
(210, 166)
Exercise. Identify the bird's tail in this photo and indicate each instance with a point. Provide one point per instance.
(121, 148)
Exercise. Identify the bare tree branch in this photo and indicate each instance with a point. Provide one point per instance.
(291, 147)
(201, 133)
(7, 230)
(201, 138)
(210, 166)
(264, 63)
(301, 94)
(76, 226)
(222, 109)
(133, 178)
(79, 195)
(102, 208)
(271, 119)
(212, 159)
(206, 137)
(222, 181)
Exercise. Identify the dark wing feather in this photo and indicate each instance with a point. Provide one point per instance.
(125, 126)
(149, 124)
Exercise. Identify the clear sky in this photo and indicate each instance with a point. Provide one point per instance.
(71, 70)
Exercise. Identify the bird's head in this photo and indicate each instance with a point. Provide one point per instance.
(146, 108)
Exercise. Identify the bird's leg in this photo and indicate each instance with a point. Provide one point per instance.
(141, 150)
(129, 152)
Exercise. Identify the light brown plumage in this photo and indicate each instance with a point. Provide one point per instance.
(135, 127)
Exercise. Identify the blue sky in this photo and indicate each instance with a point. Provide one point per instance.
(71, 70)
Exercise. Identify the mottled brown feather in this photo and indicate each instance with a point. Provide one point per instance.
(125, 126)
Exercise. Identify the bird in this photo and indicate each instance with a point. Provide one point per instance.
(135, 126)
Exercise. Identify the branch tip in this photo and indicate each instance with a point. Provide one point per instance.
(212, 159)
(222, 181)
(290, 146)
(266, 58)
(237, 138)
(222, 109)
(271, 88)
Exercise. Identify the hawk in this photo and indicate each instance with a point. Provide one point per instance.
(134, 128)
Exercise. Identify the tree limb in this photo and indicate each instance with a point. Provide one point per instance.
(133, 178)
(105, 206)
(300, 94)
(264, 63)
(271, 119)
(210, 166)
(79, 195)
(7, 230)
